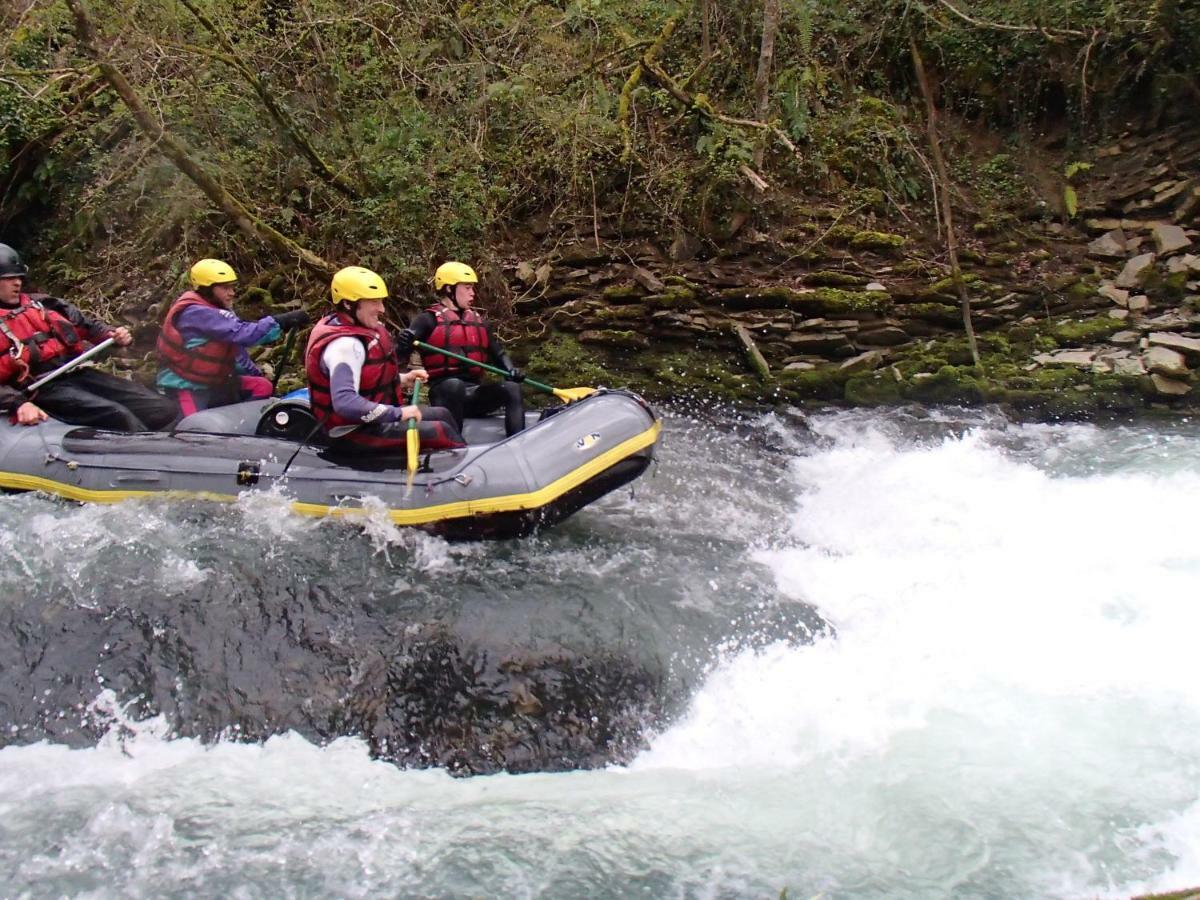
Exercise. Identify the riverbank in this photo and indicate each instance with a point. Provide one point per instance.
(1081, 317)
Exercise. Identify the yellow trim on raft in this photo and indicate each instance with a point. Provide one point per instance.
(419, 516)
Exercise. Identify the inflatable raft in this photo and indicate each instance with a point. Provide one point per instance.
(496, 487)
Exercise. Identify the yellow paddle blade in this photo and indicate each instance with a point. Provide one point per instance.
(414, 446)
(570, 394)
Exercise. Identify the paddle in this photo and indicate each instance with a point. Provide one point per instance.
(288, 343)
(413, 437)
(69, 366)
(567, 395)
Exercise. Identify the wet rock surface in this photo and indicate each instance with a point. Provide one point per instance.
(261, 663)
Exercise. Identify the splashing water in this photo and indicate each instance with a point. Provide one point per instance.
(1002, 704)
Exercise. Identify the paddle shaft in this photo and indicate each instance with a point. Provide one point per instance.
(421, 345)
(289, 342)
(70, 366)
(413, 440)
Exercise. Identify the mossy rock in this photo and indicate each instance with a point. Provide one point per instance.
(623, 293)
(841, 234)
(1174, 285)
(1085, 331)
(938, 313)
(678, 281)
(832, 301)
(629, 313)
(911, 267)
(822, 301)
(950, 384)
(876, 389)
(829, 278)
(616, 338)
(561, 359)
(674, 296)
(760, 297)
(877, 240)
(1020, 334)
(1081, 291)
(698, 376)
(825, 383)
(945, 287)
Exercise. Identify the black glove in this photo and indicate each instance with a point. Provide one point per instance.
(289, 320)
(515, 374)
(404, 342)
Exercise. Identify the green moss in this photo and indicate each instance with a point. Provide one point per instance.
(1081, 291)
(940, 313)
(678, 281)
(826, 383)
(945, 287)
(827, 278)
(876, 389)
(841, 234)
(877, 240)
(622, 293)
(1085, 331)
(633, 312)
(911, 267)
(819, 302)
(950, 384)
(561, 359)
(675, 295)
(1174, 285)
(835, 300)
(697, 375)
(617, 337)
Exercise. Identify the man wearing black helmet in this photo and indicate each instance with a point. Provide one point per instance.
(38, 334)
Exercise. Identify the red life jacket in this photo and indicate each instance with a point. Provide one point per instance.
(380, 373)
(211, 363)
(465, 334)
(34, 339)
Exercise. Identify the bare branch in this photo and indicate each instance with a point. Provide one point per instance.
(281, 116)
(175, 150)
(1001, 26)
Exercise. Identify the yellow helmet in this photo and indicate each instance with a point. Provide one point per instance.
(208, 272)
(451, 273)
(355, 283)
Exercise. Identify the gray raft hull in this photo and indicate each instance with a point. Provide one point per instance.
(495, 488)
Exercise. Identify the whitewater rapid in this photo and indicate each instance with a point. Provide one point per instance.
(1003, 704)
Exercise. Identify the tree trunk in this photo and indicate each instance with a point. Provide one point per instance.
(762, 81)
(943, 176)
(175, 150)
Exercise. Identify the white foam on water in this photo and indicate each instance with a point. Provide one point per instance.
(1005, 708)
(1014, 650)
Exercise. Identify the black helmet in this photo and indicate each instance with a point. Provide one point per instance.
(10, 263)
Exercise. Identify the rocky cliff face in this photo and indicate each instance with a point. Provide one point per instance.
(1097, 314)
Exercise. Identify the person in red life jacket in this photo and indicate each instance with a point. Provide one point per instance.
(202, 345)
(456, 326)
(354, 379)
(38, 334)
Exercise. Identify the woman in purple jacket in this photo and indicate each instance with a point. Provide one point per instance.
(202, 346)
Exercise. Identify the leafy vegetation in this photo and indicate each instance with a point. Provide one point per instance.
(451, 130)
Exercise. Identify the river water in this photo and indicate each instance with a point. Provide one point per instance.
(1003, 701)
